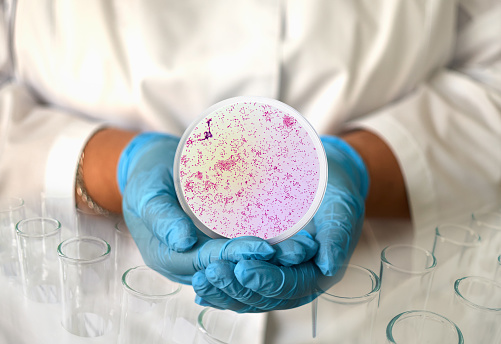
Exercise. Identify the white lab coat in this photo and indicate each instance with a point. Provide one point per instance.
(425, 75)
(407, 70)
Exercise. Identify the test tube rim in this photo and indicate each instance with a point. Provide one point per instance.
(477, 219)
(142, 295)
(392, 266)
(475, 243)
(11, 207)
(201, 327)
(120, 230)
(71, 260)
(54, 231)
(469, 303)
(376, 281)
(419, 312)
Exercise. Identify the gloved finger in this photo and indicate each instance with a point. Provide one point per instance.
(209, 295)
(154, 252)
(281, 282)
(160, 257)
(297, 249)
(169, 223)
(221, 275)
(335, 233)
(233, 250)
(333, 249)
(160, 210)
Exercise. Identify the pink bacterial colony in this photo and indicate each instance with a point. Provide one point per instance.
(249, 169)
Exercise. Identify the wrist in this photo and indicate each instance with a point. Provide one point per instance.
(98, 168)
(135, 147)
(387, 195)
(350, 160)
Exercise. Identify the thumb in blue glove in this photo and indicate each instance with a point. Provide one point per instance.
(340, 217)
(165, 235)
(145, 178)
(181, 266)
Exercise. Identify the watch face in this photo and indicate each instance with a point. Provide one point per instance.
(250, 166)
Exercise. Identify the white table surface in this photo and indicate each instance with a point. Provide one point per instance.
(25, 321)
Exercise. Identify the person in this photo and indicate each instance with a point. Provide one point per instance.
(406, 96)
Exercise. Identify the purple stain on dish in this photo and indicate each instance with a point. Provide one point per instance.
(289, 121)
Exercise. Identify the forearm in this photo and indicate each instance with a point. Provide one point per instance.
(387, 195)
(101, 155)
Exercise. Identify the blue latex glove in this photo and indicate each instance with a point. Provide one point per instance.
(165, 235)
(257, 286)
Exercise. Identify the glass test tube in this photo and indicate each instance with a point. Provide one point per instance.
(38, 239)
(346, 311)
(477, 309)
(12, 210)
(60, 208)
(418, 327)
(406, 276)
(216, 326)
(89, 223)
(85, 285)
(488, 225)
(149, 307)
(456, 249)
(126, 256)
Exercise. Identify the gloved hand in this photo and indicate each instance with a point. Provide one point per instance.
(166, 237)
(257, 286)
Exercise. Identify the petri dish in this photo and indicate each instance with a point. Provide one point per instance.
(250, 166)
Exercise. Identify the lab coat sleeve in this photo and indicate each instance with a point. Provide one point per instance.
(446, 134)
(5, 66)
(39, 147)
